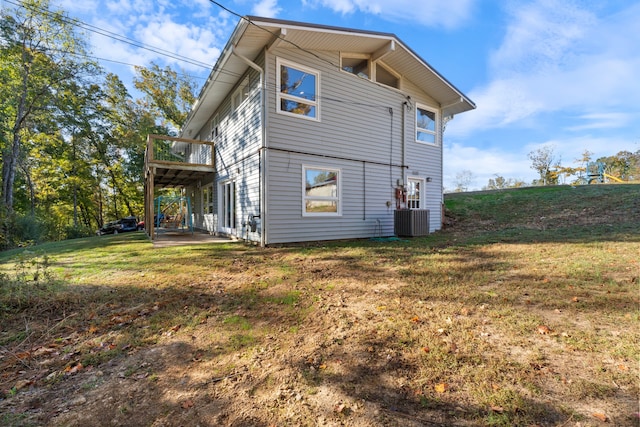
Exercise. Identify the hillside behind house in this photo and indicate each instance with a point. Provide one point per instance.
(522, 311)
(562, 211)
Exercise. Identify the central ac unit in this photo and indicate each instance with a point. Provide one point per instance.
(411, 222)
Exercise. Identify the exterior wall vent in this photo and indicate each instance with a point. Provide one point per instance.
(411, 222)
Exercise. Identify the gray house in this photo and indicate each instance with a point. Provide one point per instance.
(306, 132)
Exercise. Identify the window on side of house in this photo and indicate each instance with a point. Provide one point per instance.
(240, 94)
(425, 125)
(298, 89)
(355, 64)
(207, 199)
(386, 77)
(215, 127)
(415, 188)
(321, 191)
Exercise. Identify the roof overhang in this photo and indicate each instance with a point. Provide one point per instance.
(253, 34)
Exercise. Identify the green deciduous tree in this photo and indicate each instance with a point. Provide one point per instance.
(39, 49)
(171, 94)
(625, 165)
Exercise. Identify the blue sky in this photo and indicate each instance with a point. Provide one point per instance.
(543, 72)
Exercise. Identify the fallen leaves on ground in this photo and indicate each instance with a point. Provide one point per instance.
(544, 330)
(602, 417)
(441, 387)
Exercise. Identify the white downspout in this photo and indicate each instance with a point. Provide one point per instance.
(262, 151)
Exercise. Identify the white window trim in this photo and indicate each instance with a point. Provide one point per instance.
(338, 199)
(435, 132)
(279, 95)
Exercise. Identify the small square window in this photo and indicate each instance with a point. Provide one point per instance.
(321, 192)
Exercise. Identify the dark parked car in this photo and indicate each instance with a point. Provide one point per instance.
(129, 223)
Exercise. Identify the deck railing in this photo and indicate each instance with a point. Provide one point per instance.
(172, 150)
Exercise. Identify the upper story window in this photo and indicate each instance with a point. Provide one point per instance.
(240, 94)
(321, 192)
(355, 64)
(215, 127)
(425, 125)
(298, 89)
(387, 77)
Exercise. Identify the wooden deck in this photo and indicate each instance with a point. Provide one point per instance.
(171, 162)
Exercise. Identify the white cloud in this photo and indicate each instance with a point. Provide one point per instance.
(194, 42)
(602, 121)
(433, 13)
(484, 164)
(266, 8)
(559, 59)
(540, 37)
(128, 7)
(513, 163)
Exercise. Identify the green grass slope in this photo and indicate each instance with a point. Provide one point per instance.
(548, 213)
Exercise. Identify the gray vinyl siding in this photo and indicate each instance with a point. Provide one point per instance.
(365, 191)
(360, 132)
(237, 158)
(425, 160)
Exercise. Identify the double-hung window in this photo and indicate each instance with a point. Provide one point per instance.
(298, 89)
(321, 191)
(425, 125)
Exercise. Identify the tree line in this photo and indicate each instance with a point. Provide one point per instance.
(72, 138)
(621, 167)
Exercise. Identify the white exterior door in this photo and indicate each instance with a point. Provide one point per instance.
(206, 208)
(227, 207)
(415, 190)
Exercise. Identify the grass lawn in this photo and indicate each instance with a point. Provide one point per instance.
(524, 311)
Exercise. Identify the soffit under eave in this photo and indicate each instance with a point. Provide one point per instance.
(401, 59)
(415, 70)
